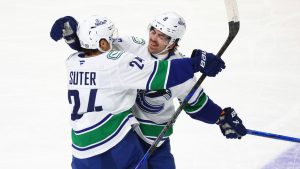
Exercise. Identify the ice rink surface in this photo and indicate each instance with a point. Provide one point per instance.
(261, 81)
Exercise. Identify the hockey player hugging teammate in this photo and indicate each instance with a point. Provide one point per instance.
(103, 87)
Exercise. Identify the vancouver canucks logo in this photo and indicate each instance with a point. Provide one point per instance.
(98, 22)
(181, 22)
(114, 55)
(152, 101)
(138, 40)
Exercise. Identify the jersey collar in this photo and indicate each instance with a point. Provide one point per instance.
(163, 57)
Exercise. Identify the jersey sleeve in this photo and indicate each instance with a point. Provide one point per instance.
(200, 106)
(137, 73)
(122, 43)
(128, 43)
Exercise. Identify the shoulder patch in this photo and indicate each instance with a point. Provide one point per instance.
(138, 40)
(114, 55)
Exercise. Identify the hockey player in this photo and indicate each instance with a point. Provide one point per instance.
(102, 88)
(154, 108)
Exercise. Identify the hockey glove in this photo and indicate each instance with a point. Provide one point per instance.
(231, 125)
(207, 63)
(66, 27)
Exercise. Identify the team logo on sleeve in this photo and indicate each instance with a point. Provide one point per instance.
(138, 40)
(114, 55)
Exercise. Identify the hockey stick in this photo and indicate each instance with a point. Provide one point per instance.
(234, 25)
(273, 136)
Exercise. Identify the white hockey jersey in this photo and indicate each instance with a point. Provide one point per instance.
(102, 90)
(154, 109)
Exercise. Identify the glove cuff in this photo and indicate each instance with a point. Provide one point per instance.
(221, 118)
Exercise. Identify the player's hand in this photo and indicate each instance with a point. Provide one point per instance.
(231, 125)
(208, 63)
(66, 27)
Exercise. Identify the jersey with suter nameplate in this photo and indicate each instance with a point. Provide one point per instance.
(102, 90)
(154, 109)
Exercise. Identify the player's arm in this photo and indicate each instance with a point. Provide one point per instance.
(137, 73)
(201, 107)
(128, 43)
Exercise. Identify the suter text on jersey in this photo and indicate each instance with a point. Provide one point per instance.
(82, 78)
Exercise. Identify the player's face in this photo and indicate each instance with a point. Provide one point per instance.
(158, 41)
(104, 45)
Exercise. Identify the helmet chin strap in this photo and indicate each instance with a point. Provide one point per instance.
(165, 49)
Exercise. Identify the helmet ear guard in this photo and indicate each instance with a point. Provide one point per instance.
(91, 30)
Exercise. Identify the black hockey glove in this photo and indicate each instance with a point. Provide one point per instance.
(66, 27)
(207, 63)
(231, 125)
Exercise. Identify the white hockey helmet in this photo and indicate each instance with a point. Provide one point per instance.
(171, 24)
(91, 30)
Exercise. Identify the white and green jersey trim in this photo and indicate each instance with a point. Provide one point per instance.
(198, 104)
(149, 131)
(152, 130)
(103, 135)
(159, 79)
